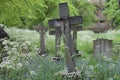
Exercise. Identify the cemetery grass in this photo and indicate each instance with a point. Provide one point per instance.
(23, 62)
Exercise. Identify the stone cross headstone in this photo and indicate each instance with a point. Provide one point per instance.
(102, 24)
(42, 30)
(102, 47)
(55, 23)
(64, 23)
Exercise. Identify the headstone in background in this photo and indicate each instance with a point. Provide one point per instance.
(102, 23)
(42, 30)
(102, 47)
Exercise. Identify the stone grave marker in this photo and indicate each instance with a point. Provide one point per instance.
(102, 24)
(102, 47)
(3, 35)
(64, 23)
(42, 30)
(55, 23)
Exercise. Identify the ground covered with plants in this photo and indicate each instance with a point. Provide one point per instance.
(23, 62)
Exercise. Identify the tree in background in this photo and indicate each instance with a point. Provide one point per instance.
(27, 13)
(86, 10)
(112, 11)
(22, 13)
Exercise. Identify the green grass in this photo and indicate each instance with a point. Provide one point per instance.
(23, 62)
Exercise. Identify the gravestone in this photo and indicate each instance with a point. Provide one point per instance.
(64, 23)
(3, 35)
(56, 23)
(42, 30)
(102, 47)
(102, 24)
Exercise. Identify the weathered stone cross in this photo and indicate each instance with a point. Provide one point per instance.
(64, 25)
(42, 30)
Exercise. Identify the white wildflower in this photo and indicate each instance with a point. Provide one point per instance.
(14, 50)
(98, 65)
(91, 67)
(9, 52)
(107, 58)
(110, 78)
(33, 73)
(11, 43)
(111, 66)
(5, 42)
(27, 42)
(19, 65)
(26, 62)
(7, 64)
(6, 48)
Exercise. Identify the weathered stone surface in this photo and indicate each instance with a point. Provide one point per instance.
(102, 47)
(42, 30)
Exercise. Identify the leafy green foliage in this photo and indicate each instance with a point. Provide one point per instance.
(86, 10)
(24, 12)
(27, 13)
(112, 10)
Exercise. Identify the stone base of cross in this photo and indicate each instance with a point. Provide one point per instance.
(69, 76)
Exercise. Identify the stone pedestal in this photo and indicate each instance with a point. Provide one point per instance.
(102, 47)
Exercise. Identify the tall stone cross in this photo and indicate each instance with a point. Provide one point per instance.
(63, 24)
